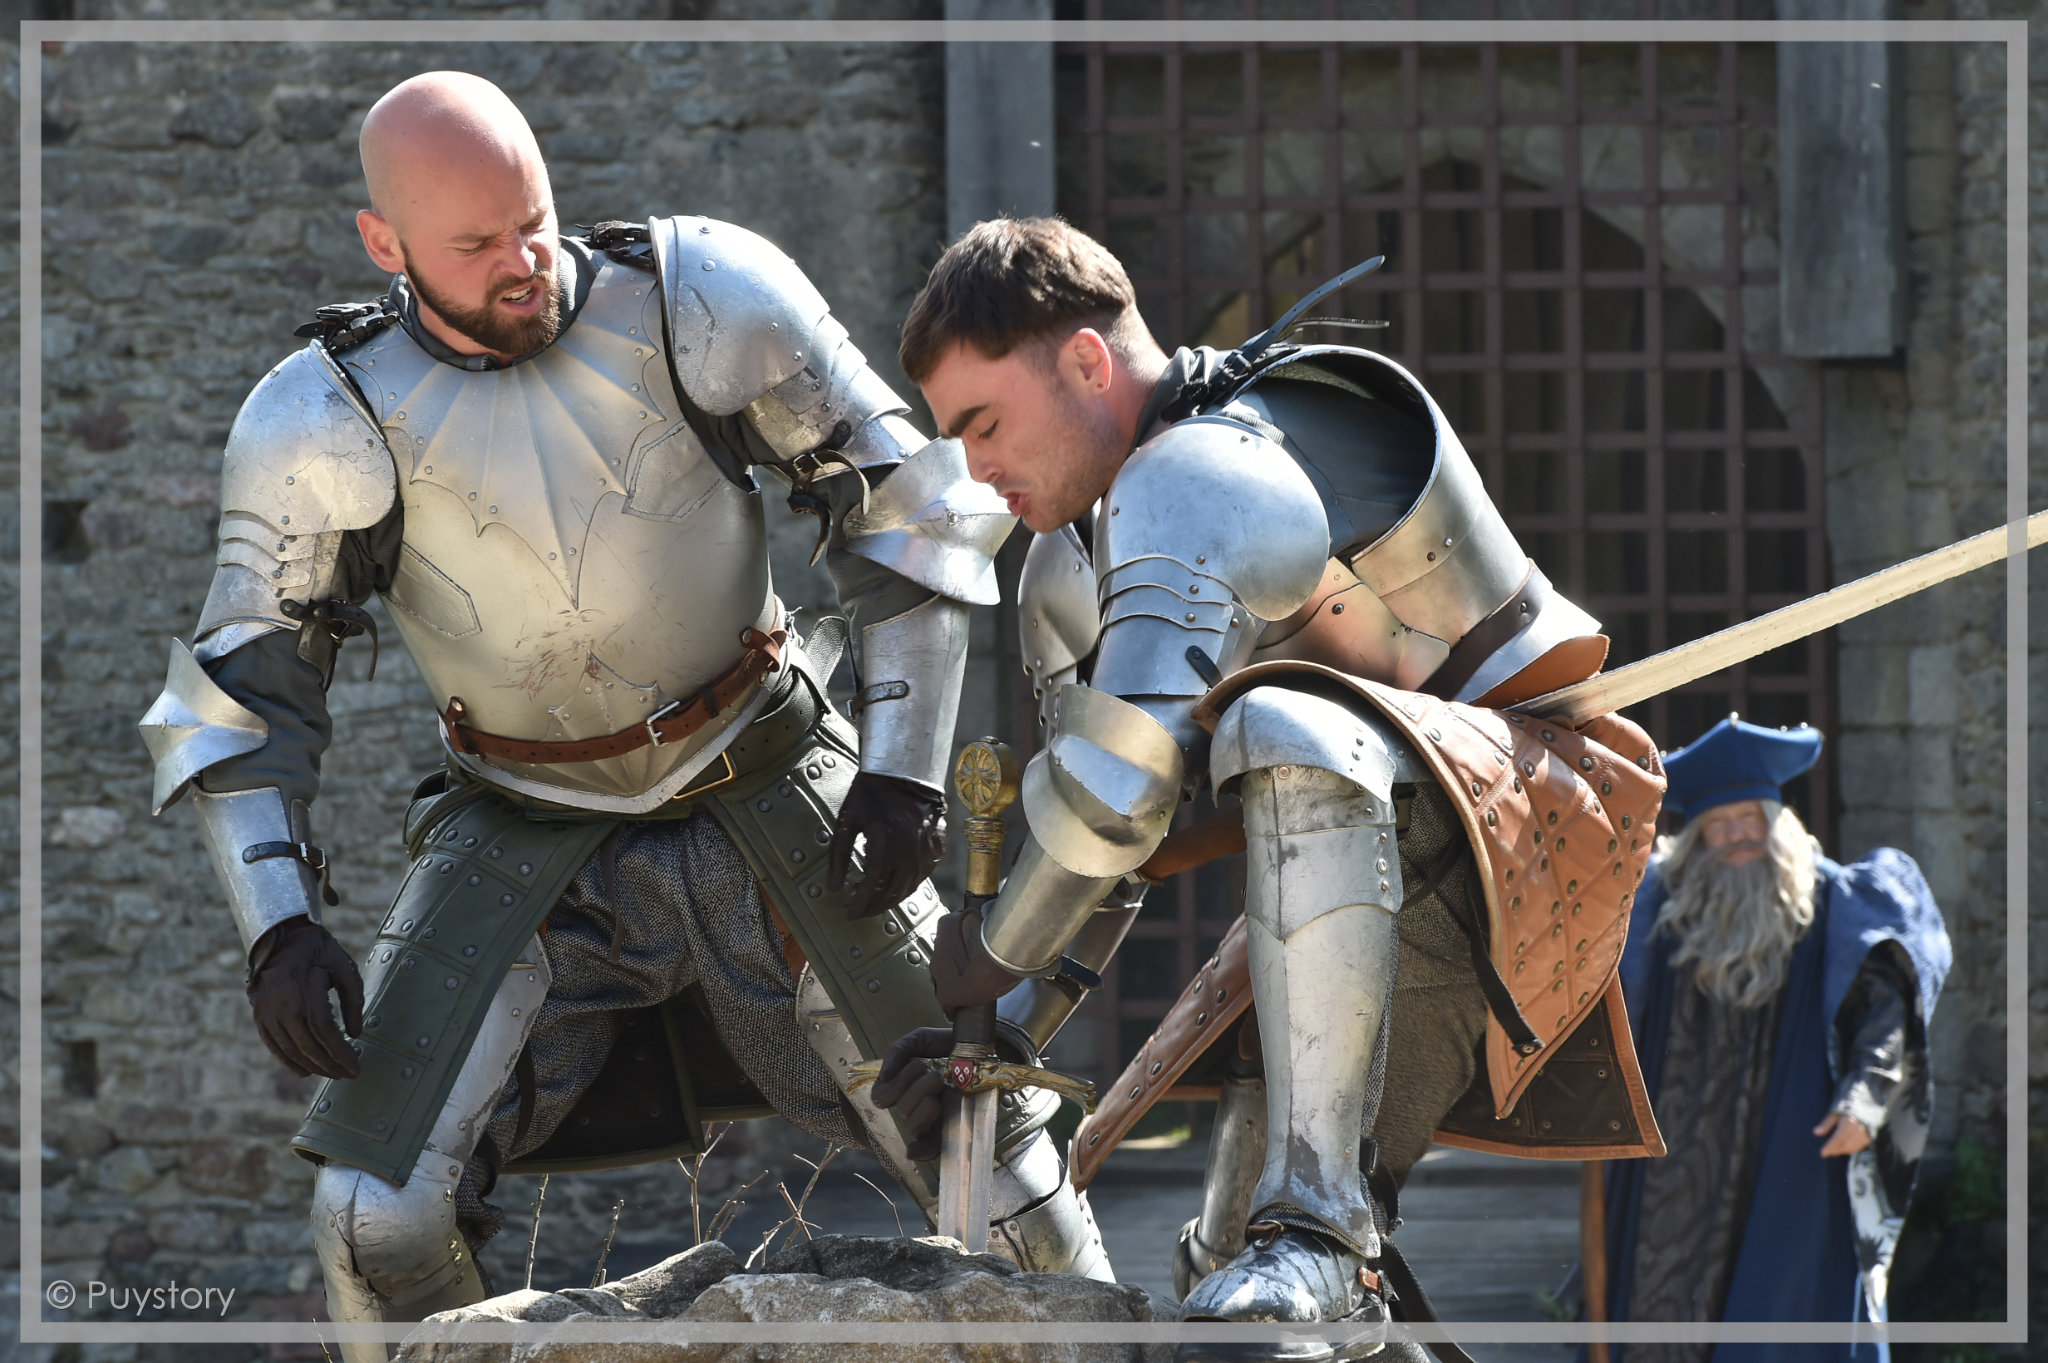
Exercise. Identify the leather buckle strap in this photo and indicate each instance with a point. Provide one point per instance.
(313, 857)
(1489, 636)
(671, 724)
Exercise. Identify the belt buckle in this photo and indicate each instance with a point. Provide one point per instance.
(692, 791)
(654, 735)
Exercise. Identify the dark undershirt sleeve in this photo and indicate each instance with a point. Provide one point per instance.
(286, 691)
(1872, 1022)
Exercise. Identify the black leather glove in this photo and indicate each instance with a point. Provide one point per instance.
(290, 971)
(963, 973)
(918, 1092)
(905, 827)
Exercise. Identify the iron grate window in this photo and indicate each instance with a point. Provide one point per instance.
(1580, 242)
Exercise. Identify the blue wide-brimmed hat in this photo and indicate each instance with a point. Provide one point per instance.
(1737, 761)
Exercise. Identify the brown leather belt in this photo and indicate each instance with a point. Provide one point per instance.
(673, 724)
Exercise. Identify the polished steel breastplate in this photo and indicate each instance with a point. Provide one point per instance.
(573, 559)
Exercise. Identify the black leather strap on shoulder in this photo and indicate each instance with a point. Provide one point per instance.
(629, 243)
(343, 326)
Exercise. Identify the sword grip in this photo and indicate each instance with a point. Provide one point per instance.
(975, 1027)
(987, 777)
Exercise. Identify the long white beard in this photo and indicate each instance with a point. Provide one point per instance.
(1736, 925)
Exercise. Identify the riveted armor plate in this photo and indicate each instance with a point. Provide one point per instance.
(1214, 496)
(1058, 619)
(876, 969)
(552, 509)
(743, 316)
(935, 525)
(483, 878)
(304, 462)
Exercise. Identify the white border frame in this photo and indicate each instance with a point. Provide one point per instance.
(2012, 33)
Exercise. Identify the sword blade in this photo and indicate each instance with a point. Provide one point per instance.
(1639, 681)
(967, 1155)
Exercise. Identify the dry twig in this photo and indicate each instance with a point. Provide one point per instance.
(730, 1211)
(533, 1244)
(597, 1278)
(884, 1196)
(692, 1170)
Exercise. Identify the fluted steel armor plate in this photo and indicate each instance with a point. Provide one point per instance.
(574, 561)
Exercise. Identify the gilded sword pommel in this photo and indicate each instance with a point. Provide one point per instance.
(988, 777)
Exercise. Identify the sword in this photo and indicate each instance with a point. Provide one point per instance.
(986, 776)
(1654, 675)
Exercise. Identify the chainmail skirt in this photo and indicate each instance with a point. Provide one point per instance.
(684, 908)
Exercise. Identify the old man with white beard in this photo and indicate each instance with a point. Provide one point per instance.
(1780, 1004)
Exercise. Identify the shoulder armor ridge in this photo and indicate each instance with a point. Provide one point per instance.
(1058, 620)
(304, 457)
(742, 316)
(1215, 496)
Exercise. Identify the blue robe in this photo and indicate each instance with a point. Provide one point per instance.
(1817, 1241)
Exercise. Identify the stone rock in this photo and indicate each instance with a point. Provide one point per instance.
(227, 1168)
(847, 1278)
(224, 120)
(102, 426)
(192, 245)
(127, 1171)
(668, 1288)
(309, 118)
(88, 826)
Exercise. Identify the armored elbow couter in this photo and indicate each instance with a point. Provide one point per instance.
(932, 523)
(1098, 799)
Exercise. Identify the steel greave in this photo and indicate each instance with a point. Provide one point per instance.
(1237, 1149)
(1038, 1219)
(391, 1253)
(1322, 884)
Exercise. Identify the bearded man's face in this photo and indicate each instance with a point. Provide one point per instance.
(511, 316)
(1740, 897)
(1737, 834)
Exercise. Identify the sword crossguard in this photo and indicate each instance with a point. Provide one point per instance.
(972, 1074)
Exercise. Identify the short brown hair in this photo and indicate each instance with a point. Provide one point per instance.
(1009, 281)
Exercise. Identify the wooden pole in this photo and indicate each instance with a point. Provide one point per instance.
(1593, 1249)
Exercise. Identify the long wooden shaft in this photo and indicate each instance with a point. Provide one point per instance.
(1593, 1248)
(1660, 672)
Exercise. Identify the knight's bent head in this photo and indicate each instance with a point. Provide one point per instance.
(1009, 282)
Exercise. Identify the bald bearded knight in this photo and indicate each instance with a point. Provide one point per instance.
(539, 452)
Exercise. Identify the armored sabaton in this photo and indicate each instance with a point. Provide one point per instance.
(1323, 512)
(574, 551)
